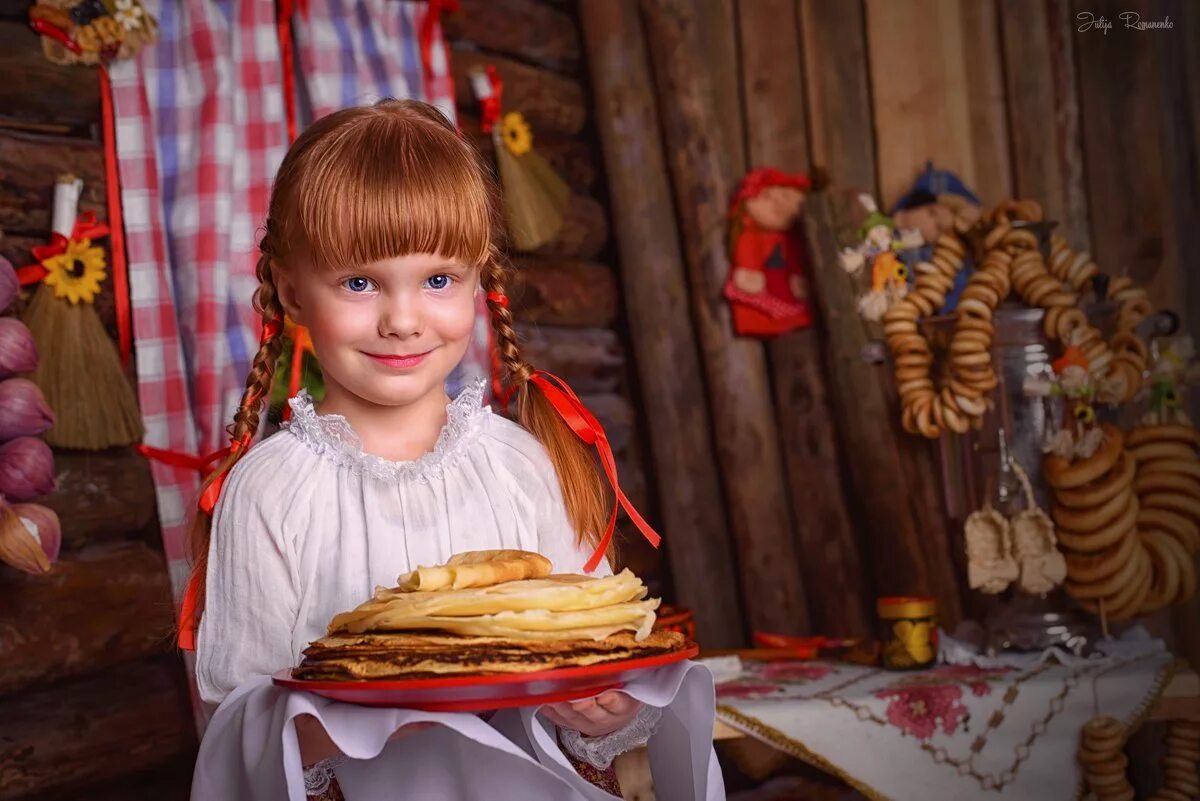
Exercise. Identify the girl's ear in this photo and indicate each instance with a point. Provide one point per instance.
(285, 290)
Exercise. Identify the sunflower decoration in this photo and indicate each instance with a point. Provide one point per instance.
(75, 274)
(535, 196)
(515, 133)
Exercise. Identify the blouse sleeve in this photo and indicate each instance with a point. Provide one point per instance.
(557, 540)
(251, 602)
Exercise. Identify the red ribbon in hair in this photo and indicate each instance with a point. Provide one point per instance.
(588, 429)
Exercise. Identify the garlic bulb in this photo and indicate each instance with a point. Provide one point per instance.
(23, 409)
(26, 469)
(18, 547)
(9, 284)
(18, 353)
(42, 524)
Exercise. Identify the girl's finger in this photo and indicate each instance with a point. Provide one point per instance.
(615, 702)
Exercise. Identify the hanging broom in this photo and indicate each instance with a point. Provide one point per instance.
(535, 196)
(79, 370)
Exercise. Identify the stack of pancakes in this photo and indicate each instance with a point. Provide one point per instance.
(489, 612)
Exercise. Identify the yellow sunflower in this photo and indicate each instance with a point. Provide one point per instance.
(75, 275)
(516, 134)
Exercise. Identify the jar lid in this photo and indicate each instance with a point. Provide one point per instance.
(899, 606)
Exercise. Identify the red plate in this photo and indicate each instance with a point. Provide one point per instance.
(479, 693)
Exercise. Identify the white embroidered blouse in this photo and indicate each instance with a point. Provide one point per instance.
(308, 525)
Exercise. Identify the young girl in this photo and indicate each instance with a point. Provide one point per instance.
(379, 236)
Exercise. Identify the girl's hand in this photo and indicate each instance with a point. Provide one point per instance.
(594, 717)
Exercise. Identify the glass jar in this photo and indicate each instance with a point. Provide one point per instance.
(908, 632)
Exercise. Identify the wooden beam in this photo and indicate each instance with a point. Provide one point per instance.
(894, 483)
(942, 100)
(101, 495)
(590, 359)
(773, 93)
(96, 608)
(584, 231)
(1043, 112)
(31, 165)
(65, 738)
(567, 292)
(551, 102)
(524, 29)
(38, 91)
(746, 435)
(656, 303)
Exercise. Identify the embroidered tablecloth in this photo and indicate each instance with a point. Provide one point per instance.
(954, 731)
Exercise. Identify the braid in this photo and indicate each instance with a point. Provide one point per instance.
(516, 370)
(245, 421)
(584, 492)
(262, 369)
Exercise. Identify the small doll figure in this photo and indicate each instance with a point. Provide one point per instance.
(767, 287)
(1079, 436)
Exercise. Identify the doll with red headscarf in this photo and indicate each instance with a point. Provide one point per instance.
(767, 288)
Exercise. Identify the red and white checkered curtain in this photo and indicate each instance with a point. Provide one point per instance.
(200, 131)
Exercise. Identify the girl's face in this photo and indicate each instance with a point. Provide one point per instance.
(388, 332)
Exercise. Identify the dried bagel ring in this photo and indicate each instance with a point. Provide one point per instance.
(1163, 433)
(1063, 475)
(1165, 571)
(1098, 540)
(1172, 502)
(1167, 482)
(1109, 585)
(1085, 568)
(1184, 531)
(1091, 518)
(1104, 488)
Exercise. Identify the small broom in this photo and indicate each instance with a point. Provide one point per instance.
(79, 370)
(535, 196)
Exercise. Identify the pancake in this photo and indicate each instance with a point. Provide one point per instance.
(476, 569)
(404, 655)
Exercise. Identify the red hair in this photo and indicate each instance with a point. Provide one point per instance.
(763, 178)
(375, 182)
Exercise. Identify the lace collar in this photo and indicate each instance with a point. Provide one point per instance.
(331, 436)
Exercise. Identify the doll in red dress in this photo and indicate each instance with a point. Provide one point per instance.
(767, 288)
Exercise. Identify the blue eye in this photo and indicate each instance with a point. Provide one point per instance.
(439, 281)
(358, 284)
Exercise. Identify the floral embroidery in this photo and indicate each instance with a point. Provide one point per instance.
(918, 710)
(794, 672)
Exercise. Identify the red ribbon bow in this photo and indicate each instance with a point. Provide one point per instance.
(86, 227)
(588, 429)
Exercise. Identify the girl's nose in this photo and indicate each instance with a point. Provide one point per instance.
(400, 316)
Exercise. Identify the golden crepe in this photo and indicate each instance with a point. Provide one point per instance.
(476, 569)
(465, 617)
(392, 610)
(412, 656)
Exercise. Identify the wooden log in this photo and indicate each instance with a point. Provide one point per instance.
(551, 103)
(746, 436)
(655, 294)
(894, 483)
(589, 359)
(773, 90)
(584, 231)
(96, 608)
(523, 29)
(941, 98)
(102, 495)
(31, 163)
(564, 292)
(571, 157)
(67, 737)
(37, 91)
(1043, 112)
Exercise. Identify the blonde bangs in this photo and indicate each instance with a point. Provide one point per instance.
(390, 182)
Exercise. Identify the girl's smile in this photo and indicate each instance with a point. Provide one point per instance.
(399, 362)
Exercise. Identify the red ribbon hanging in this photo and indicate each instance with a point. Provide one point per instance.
(187, 614)
(56, 33)
(489, 107)
(588, 429)
(429, 26)
(112, 186)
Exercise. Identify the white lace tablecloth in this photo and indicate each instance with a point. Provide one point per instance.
(952, 732)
